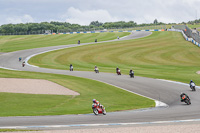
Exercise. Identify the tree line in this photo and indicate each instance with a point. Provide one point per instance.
(67, 27)
(197, 21)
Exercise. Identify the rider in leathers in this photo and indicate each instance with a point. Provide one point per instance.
(97, 103)
(184, 95)
(192, 83)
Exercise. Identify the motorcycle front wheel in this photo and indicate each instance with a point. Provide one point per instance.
(104, 112)
(95, 111)
(188, 102)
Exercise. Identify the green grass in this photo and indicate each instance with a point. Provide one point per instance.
(15, 130)
(193, 26)
(143, 28)
(114, 99)
(164, 55)
(21, 42)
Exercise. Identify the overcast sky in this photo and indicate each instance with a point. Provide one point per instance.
(84, 11)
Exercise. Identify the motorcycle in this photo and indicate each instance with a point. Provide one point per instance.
(131, 75)
(186, 100)
(96, 70)
(118, 72)
(192, 86)
(23, 64)
(71, 68)
(98, 110)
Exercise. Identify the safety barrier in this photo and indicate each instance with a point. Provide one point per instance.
(186, 38)
(108, 31)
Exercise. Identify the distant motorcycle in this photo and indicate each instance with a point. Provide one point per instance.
(118, 72)
(71, 68)
(96, 70)
(131, 75)
(192, 86)
(20, 58)
(23, 64)
(98, 110)
(186, 100)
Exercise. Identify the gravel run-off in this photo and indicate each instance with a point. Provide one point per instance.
(33, 86)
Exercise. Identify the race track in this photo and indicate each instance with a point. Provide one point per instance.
(167, 92)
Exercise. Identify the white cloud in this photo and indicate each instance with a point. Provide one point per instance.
(83, 12)
(19, 19)
(84, 17)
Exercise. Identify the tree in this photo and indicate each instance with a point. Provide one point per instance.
(20, 28)
(96, 23)
(8, 28)
(155, 22)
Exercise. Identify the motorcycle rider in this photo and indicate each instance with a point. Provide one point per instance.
(96, 69)
(23, 63)
(131, 72)
(117, 69)
(97, 103)
(71, 67)
(192, 83)
(184, 95)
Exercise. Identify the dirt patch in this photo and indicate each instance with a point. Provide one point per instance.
(33, 86)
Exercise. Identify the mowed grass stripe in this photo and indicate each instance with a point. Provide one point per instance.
(112, 98)
(164, 55)
(21, 42)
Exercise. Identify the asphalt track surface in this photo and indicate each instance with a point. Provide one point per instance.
(167, 92)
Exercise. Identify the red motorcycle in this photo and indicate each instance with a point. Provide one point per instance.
(23, 64)
(98, 110)
(118, 72)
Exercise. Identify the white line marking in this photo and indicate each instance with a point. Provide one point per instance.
(158, 103)
(176, 82)
(9, 68)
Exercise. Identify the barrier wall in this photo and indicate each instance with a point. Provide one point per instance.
(108, 31)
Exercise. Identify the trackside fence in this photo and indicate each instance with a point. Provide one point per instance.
(189, 35)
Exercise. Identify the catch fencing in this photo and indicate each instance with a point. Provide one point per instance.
(194, 34)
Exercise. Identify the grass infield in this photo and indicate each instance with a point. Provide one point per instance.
(15, 130)
(114, 99)
(163, 55)
(21, 42)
